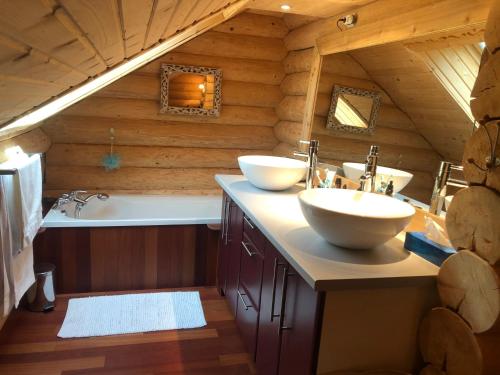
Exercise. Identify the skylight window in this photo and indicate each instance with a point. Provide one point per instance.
(456, 67)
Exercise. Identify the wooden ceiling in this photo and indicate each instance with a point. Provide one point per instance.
(48, 46)
(414, 87)
(315, 8)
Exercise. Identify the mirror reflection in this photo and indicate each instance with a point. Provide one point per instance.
(353, 110)
(190, 90)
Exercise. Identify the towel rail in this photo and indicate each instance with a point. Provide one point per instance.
(13, 171)
(8, 171)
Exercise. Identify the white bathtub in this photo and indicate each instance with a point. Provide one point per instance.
(140, 210)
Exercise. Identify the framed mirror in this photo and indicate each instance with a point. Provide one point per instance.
(190, 90)
(353, 110)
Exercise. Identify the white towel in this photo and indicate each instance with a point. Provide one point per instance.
(17, 266)
(24, 195)
(29, 184)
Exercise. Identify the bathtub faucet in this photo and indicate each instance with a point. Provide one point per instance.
(81, 201)
(76, 196)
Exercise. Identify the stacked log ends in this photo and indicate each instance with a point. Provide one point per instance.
(492, 32)
(448, 344)
(486, 91)
(468, 285)
(472, 222)
(480, 154)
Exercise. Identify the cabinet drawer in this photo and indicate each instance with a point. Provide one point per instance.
(254, 234)
(251, 268)
(246, 319)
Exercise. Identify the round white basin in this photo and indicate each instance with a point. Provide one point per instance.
(353, 171)
(354, 219)
(272, 172)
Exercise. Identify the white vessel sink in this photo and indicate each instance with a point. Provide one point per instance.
(353, 171)
(272, 172)
(354, 219)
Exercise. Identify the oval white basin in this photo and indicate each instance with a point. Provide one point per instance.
(354, 219)
(272, 172)
(353, 171)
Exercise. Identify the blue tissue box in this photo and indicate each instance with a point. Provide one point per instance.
(435, 253)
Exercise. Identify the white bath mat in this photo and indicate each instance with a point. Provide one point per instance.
(132, 313)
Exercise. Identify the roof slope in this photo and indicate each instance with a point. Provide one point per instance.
(49, 46)
(414, 87)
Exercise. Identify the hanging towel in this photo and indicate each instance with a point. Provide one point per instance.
(17, 266)
(24, 197)
(7, 300)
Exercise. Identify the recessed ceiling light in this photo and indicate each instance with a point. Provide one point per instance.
(285, 7)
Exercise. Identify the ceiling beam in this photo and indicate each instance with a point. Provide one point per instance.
(419, 19)
(34, 118)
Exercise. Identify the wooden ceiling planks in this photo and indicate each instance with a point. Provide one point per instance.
(52, 45)
(100, 19)
(414, 88)
(134, 18)
(323, 8)
(162, 16)
(178, 16)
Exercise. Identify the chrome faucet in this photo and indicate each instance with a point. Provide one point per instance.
(75, 196)
(370, 170)
(312, 160)
(80, 202)
(442, 181)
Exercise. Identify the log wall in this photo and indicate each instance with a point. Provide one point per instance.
(35, 141)
(163, 153)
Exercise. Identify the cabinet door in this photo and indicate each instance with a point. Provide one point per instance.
(223, 256)
(268, 339)
(251, 267)
(234, 237)
(247, 319)
(299, 325)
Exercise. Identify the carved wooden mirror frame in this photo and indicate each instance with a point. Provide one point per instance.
(333, 124)
(168, 69)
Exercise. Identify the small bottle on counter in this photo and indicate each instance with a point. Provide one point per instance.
(338, 182)
(390, 189)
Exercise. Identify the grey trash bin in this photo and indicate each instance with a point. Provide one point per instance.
(41, 295)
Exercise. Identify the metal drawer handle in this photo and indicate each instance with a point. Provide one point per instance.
(242, 300)
(250, 253)
(248, 222)
(273, 299)
(284, 291)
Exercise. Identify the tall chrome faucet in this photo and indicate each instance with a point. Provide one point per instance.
(442, 181)
(368, 178)
(312, 160)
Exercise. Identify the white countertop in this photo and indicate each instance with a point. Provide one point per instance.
(322, 265)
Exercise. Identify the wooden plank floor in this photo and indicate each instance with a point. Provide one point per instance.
(29, 345)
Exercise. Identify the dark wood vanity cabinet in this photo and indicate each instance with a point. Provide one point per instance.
(276, 311)
(289, 320)
(229, 251)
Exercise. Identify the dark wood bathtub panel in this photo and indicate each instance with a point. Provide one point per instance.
(207, 246)
(176, 253)
(126, 258)
(117, 257)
